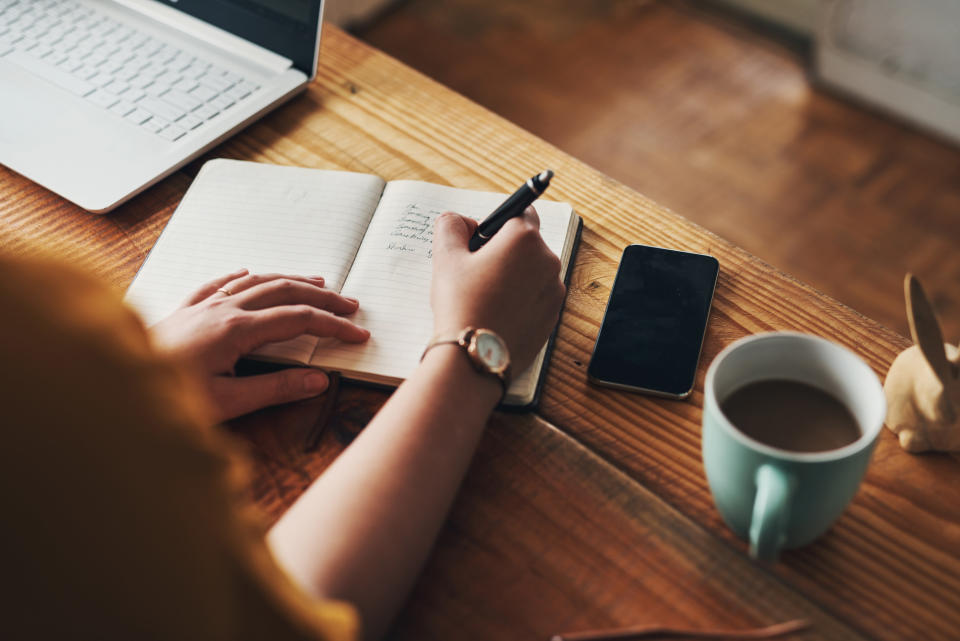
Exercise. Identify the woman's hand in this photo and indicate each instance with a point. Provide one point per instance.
(510, 285)
(213, 329)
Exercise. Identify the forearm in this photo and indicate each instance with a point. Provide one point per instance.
(362, 531)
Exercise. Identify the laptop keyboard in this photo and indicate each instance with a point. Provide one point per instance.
(152, 84)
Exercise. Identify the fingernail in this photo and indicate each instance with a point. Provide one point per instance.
(352, 300)
(315, 382)
(315, 277)
(362, 334)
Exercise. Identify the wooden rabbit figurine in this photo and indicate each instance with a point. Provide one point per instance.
(923, 384)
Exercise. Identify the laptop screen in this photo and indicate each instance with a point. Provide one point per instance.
(286, 27)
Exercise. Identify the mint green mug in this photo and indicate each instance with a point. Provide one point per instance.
(779, 499)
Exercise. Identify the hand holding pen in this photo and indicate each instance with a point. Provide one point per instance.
(511, 208)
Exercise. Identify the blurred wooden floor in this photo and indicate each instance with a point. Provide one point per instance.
(717, 120)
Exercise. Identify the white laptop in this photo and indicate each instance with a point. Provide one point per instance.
(99, 99)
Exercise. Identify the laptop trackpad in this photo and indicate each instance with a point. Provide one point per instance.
(70, 145)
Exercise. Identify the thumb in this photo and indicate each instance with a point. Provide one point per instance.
(235, 396)
(452, 232)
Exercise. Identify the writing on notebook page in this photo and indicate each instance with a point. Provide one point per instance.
(413, 231)
(392, 272)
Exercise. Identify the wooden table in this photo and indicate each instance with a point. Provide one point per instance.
(593, 512)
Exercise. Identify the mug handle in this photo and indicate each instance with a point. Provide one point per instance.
(771, 507)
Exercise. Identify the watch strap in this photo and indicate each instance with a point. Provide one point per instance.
(463, 341)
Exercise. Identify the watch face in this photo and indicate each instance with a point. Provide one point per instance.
(491, 350)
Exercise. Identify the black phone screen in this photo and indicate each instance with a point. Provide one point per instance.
(653, 328)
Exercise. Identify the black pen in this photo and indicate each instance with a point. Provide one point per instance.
(511, 208)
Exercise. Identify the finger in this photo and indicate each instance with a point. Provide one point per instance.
(284, 291)
(528, 217)
(209, 288)
(471, 224)
(236, 396)
(522, 231)
(252, 280)
(531, 216)
(452, 232)
(289, 321)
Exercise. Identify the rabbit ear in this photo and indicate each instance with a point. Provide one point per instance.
(924, 327)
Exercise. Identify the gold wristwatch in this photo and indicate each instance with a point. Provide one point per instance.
(486, 350)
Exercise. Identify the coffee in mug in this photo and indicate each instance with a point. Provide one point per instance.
(790, 415)
(789, 425)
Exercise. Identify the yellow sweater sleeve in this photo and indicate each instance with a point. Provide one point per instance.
(125, 515)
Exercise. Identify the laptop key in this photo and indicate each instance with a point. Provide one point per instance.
(185, 84)
(182, 62)
(86, 71)
(15, 38)
(141, 82)
(101, 79)
(123, 108)
(242, 90)
(137, 41)
(156, 88)
(138, 116)
(222, 102)
(204, 93)
(168, 78)
(160, 108)
(217, 83)
(182, 101)
(41, 51)
(190, 122)
(127, 74)
(172, 132)
(103, 98)
(96, 59)
(196, 69)
(168, 55)
(206, 112)
(52, 74)
(153, 125)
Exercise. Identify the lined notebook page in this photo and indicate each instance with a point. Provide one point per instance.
(266, 218)
(392, 271)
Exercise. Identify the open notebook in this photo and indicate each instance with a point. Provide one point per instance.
(368, 238)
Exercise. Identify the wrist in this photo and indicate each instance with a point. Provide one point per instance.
(456, 372)
(484, 350)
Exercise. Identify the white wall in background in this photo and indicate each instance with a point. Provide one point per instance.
(798, 15)
(903, 56)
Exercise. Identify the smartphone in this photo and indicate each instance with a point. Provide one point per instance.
(653, 328)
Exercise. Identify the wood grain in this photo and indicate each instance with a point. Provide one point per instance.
(658, 442)
(890, 567)
(719, 121)
(34, 219)
(546, 537)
